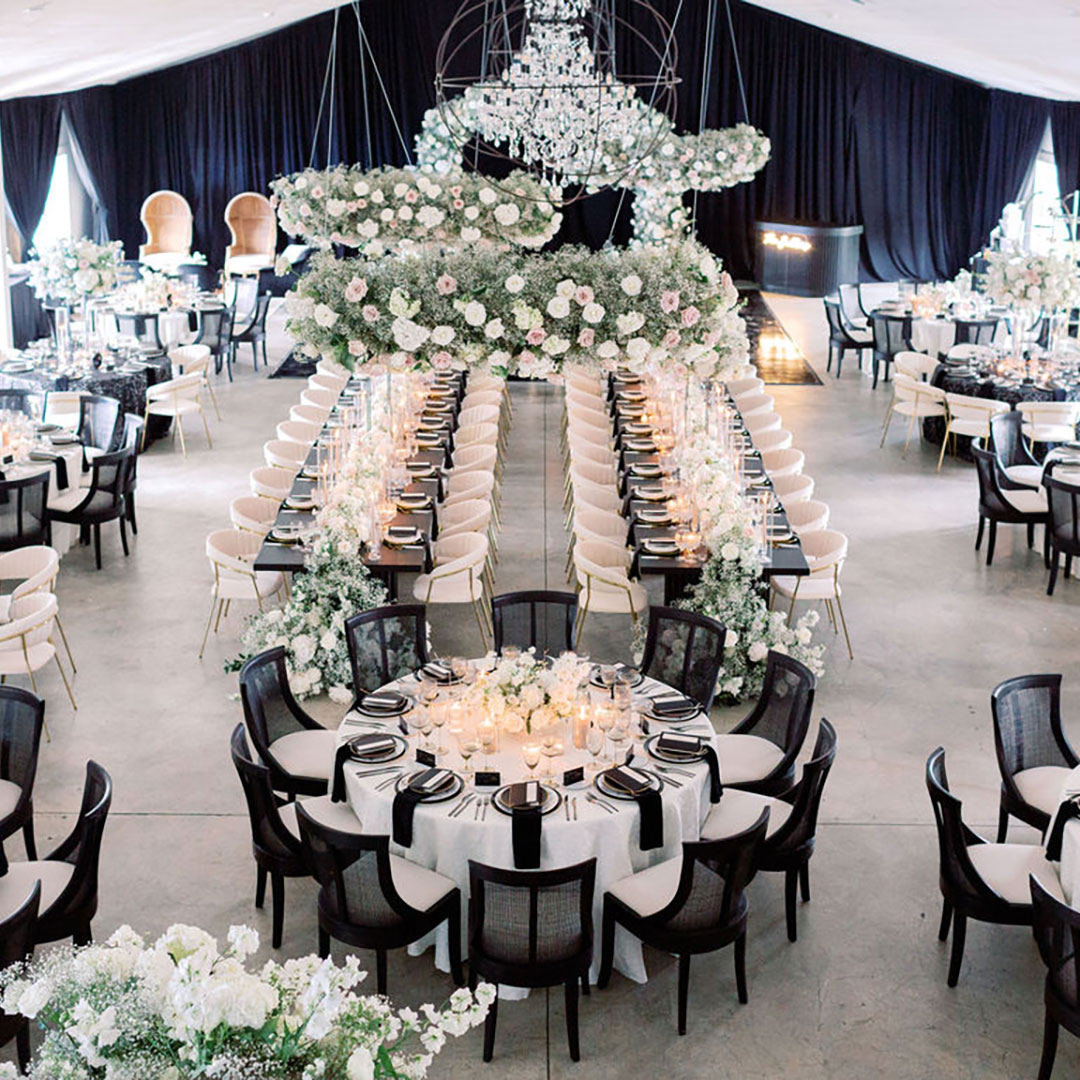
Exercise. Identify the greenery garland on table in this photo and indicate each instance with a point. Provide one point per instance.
(182, 1009)
(529, 314)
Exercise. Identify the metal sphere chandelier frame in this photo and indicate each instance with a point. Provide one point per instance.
(536, 82)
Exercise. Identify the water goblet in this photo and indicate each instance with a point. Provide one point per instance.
(439, 713)
(488, 735)
(595, 741)
(511, 652)
(530, 753)
(607, 675)
(468, 744)
(605, 719)
(551, 745)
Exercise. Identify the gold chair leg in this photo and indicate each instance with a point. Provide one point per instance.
(213, 398)
(206, 428)
(843, 621)
(67, 647)
(480, 624)
(907, 441)
(791, 610)
(214, 602)
(217, 621)
(885, 429)
(33, 681)
(63, 675)
(944, 443)
(180, 429)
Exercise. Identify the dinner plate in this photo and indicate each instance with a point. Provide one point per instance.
(285, 534)
(403, 539)
(660, 547)
(392, 753)
(780, 536)
(550, 799)
(672, 718)
(645, 468)
(45, 429)
(646, 446)
(650, 494)
(654, 517)
(300, 502)
(605, 787)
(411, 503)
(420, 469)
(653, 749)
(594, 679)
(454, 787)
(63, 440)
(380, 714)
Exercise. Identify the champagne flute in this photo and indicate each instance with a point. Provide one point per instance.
(530, 753)
(594, 743)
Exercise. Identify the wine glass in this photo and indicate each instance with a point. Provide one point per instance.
(439, 713)
(594, 743)
(619, 736)
(530, 753)
(488, 737)
(605, 719)
(551, 745)
(621, 695)
(429, 688)
(511, 652)
(420, 723)
(468, 744)
(607, 675)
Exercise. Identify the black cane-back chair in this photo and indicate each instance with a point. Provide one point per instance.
(199, 276)
(1004, 503)
(215, 331)
(891, 334)
(22, 717)
(1057, 933)
(777, 724)
(532, 928)
(100, 426)
(842, 338)
(1034, 756)
(1063, 524)
(1015, 458)
(371, 899)
(17, 946)
(694, 903)
(104, 500)
(537, 618)
(685, 650)
(975, 331)
(144, 328)
(385, 644)
(979, 880)
(254, 332)
(24, 514)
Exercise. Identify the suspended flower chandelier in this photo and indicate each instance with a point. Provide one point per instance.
(548, 93)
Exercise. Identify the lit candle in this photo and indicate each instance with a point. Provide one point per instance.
(581, 725)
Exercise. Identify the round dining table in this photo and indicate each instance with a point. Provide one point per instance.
(445, 841)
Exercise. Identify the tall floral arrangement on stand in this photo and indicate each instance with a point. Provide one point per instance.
(182, 1008)
(74, 270)
(1032, 282)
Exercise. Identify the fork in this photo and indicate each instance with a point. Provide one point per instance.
(599, 802)
(455, 810)
(391, 779)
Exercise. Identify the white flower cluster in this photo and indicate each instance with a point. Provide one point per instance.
(397, 211)
(1032, 283)
(181, 1008)
(153, 292)
(74, 269)
(523, 693)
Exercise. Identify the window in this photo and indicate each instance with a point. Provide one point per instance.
(55, 221)
(1035, 221)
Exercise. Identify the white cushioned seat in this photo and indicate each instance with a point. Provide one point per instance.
(652, 889)
(738, 810)
(1049, 433)
(306, 753)
(334, 815)
(17, 883)
(1027, 502)
(9, 797)
(1041, 787)
(1031, 475)
(1006, 867)
(746, 757)
(418, 886)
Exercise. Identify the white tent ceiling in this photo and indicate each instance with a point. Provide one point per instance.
(47, 46)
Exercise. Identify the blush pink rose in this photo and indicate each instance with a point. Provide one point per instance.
(584, 295)
(361, 204)
(357, 348)
(411, 196)
(690, 315)
(671, 339)
(669, 302)
(446, 285)
(458, 204)
(442, 360)
(456, 190)
(316, 192)
(356, 290)
(536, 336)
(586, 338)
(370, 313)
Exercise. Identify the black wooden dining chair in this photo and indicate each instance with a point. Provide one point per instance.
(1007, 504)
(199, 276)
(694, 903)
(1034, 756)
(254, 332)
(100, 428)
(132, 435)
(978, 880)
(16, 947)
(371, 899)
(24, 514)
(684, 649)
(297, 749)
(1062, 525)
(842, 337)
(535, 618)
(532, 928)
(215, 332)
(891, 334)
(1019, 465)
(759, 753)
(22, 717)
(975, 331)
(144, 328)
(1057, 933)
(385, 644)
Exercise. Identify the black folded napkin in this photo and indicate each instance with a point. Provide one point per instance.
(1067, 811)
(337, 788)
(674, 706)
(651, 829)
(680, 744)
(527, 821)
(384, 701)
(405, 802)
(364, 747)
(59, 462)
(438, 671)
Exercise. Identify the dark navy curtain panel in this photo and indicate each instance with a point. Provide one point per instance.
(924, 160)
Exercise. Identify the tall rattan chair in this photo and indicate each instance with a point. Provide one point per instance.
(842, 338)
(685, 650)
(1033, 755)
(759, 753)
(1006, 504)
(298, 750)
(16, 946)
(24, 515)
(979, 880)
(532, 928)
(385, 644)
(535, 618)
(1057, 933)
(371, 899)
(22, 718)
(891, 334)
(694, 903)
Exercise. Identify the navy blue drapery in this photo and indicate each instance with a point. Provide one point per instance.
(925, 160)
(30, 132)
(1065, 129)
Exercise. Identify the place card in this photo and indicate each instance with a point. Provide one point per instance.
(573, 776)
(425, 757)
(488, 779)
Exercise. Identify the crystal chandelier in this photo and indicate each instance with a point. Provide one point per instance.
(548, 93)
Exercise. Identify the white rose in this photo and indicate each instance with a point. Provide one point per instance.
(555, 345)
(507, 214)
(399, 190)
(325, 316)
(757, 652)
(637, 348)
(472, 213)
(629, 322)
(558, 307)
(631, 285)
(470, 236)
(494, 329)
(514, 283)
(386, 214)
(442, 335)
(405, 213)
(361, 188)
(729, 551)
(361, 1065)
(607, 350)
(475, 313)
(487, 196)
(593, 313)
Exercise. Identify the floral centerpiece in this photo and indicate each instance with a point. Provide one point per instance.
(524, 692)
(154, 292)
(529, 314)
(384, 211)
(73, 270)
(182, 1008)
(1030, 282)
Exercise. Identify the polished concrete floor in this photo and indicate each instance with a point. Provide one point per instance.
(862, 992)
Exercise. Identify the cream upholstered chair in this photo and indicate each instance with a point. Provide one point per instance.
(761, 422)
(793, 488)
(915, 365)
(253, 514)
(26, 643)
(332, 367)
(477, 457)
(584, 382)
(476, 435)
(176, 398)
(741, 387)
(458, 576)
(189, 359)
(807, 516)
(320, 399)
(604, 585)
(471, 516)
(253, 226)
(479, 414)
(777, 439)
(325, 381)
(284, 454)
(308, 414)
(167, 219)
(969, 416)
(35, 568)
(783, 462)
(1049, 421)
(62, 407)
(299, 431)
(602, 524)
(825, 551)
(231, 553)
(271, 482)
(476, 484)
(582, 449)
(595, 473)
(916, 400)
(603, 496)
(755, 403)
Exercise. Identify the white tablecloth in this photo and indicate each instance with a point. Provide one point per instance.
(62, 533)
(1070, 848)
(174, 328)
(932, 336)
(446, 844)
